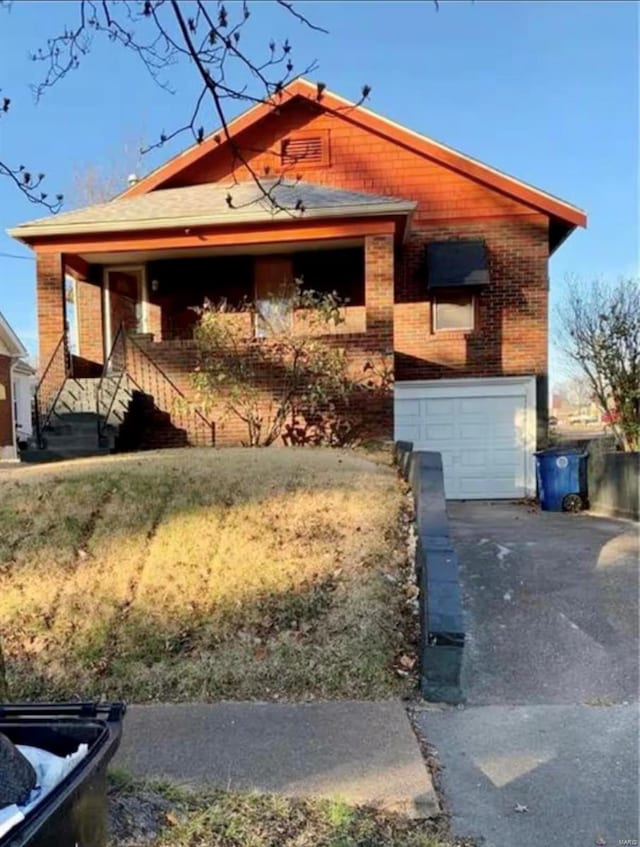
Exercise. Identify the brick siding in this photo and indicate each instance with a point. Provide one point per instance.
(90, 320)
(178, 359)
(51, 322)
(510, 334)
(510, 337)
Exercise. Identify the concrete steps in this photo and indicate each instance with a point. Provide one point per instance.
(72, 434)
(129, 416)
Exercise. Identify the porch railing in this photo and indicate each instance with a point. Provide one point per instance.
(129, 365)
(112, 377)
(49, 388)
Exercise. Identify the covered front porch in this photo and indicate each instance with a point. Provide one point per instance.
(139, 266)
(158, 294)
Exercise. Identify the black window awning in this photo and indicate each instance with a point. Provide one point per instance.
(457, 264)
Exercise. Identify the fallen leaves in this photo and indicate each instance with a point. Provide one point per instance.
(404, 664)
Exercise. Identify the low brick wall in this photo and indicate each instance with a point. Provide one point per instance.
(442, 633)
(373, 414)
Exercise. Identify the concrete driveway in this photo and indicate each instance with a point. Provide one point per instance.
(545, 750)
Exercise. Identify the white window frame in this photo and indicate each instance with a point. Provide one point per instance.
(451, 299)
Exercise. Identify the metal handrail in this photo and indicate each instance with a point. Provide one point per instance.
(168, 379)
(157, 370)
(42, 421)
(120, 337)
(154, 382)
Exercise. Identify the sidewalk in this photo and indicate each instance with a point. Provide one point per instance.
(360, 752)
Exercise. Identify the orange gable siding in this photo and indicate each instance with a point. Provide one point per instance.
(360, 160)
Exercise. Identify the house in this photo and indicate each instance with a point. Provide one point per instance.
(444, 261)
(24, 385)
(12, 392)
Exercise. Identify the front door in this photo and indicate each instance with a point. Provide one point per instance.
(124, 300)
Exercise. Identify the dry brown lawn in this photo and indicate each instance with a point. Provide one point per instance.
(155, 814)
(203, 574)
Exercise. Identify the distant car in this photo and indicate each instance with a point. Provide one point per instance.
(553, 421)
(610, 417)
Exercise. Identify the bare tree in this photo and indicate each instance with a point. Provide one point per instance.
(579, 392)
(207, 36)
(93, 183)
(600, 334)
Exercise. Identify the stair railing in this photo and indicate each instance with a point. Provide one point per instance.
(148, 376)
(115, 368)
(50, 387)
(128, 360)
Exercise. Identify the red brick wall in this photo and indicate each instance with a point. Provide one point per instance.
(178, 360)
(374, 413)
(6, 417)
(51, 321)
(511, 319)
(51, 305)
(510, 335)
(90, 320)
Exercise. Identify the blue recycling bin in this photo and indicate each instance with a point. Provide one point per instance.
(562, 477)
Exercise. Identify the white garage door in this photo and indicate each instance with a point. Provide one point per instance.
(485, 430)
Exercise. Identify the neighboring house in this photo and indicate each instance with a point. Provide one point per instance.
(11, 351)
(444, 261)
(24, 384)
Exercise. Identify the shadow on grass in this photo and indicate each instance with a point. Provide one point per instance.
(158, 601)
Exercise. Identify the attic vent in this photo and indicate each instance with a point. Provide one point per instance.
(305, 149)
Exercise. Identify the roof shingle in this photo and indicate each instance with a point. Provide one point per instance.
(207, 204)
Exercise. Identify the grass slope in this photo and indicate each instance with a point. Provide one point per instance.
(202, 574)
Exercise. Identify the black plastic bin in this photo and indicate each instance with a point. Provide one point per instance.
(74, 813)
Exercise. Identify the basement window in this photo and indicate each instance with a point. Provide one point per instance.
(305, 149)
(453, 312)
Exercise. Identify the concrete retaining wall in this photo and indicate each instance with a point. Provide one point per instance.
(441, 619)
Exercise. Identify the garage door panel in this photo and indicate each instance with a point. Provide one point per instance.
(507, 458)
(411, 408)
(484, 437)
(434, 432)
(471, 431)
(439, 408)
(471, 410)
(407, 430)
(470, 459)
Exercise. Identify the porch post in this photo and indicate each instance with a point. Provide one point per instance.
(53, 362)
(378, 263)
(379, 292)
(88, 309)
(51, 304)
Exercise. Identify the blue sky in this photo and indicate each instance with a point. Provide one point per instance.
(546, 91)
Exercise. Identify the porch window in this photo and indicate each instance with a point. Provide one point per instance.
(273, 316)
(274, 295)
(340, 270)
(453, 312)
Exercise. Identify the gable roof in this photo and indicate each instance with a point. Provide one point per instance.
(9, 340)
(198, 205)
(447, 156)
